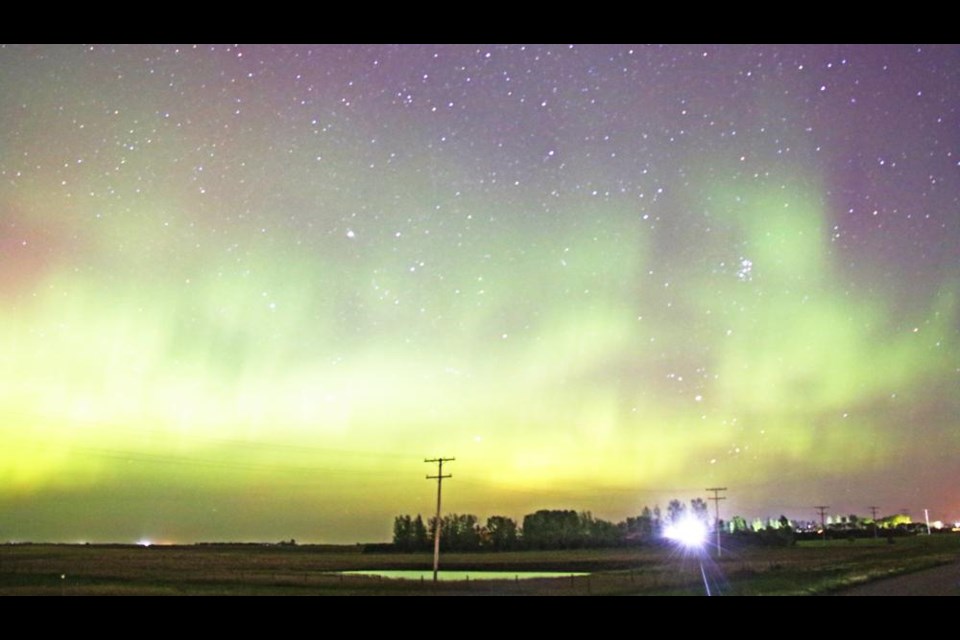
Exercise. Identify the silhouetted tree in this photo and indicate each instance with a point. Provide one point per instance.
(738, 524)
(700, 510)
(458, 533)
(409, 534)
(501, 533)
(421, 541)
(402, 529)
(675, 511)
(551, 529)
(640, 528)
(600, 533)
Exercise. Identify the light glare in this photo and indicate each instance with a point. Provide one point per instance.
(689, 532)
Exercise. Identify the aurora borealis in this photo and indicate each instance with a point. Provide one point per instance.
(246, 290)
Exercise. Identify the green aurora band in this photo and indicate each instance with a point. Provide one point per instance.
(177, 366)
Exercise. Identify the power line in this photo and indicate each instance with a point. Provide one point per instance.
(436, 536)
(716, 505)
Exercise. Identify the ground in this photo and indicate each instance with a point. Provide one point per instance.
(809, 568)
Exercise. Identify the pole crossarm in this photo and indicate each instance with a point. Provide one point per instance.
(716, 504)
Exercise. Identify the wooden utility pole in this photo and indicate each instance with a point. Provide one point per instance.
(873, 510)
(823, 523)
(716, 506)
(436, 536)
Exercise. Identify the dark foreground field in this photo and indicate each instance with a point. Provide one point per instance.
(806, 569)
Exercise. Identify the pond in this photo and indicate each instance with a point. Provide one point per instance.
(427, 574)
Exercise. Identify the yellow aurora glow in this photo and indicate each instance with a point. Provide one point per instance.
(239, 334)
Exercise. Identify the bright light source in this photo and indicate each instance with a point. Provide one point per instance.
(690, 532)
(144, 543)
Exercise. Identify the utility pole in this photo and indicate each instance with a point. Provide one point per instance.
(823, 523)
(436, 536)
(716, 509)
(873, 510)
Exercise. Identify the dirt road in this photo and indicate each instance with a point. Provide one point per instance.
(939, 581)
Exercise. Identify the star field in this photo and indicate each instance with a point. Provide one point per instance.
(245, 290)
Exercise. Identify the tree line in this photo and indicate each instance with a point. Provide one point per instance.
(544, 529)
(567, 529)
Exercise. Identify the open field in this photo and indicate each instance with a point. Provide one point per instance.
(810, 568)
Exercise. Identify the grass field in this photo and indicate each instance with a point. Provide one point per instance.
(808, 568)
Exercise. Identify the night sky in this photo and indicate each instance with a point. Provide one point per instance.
(246, 290)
